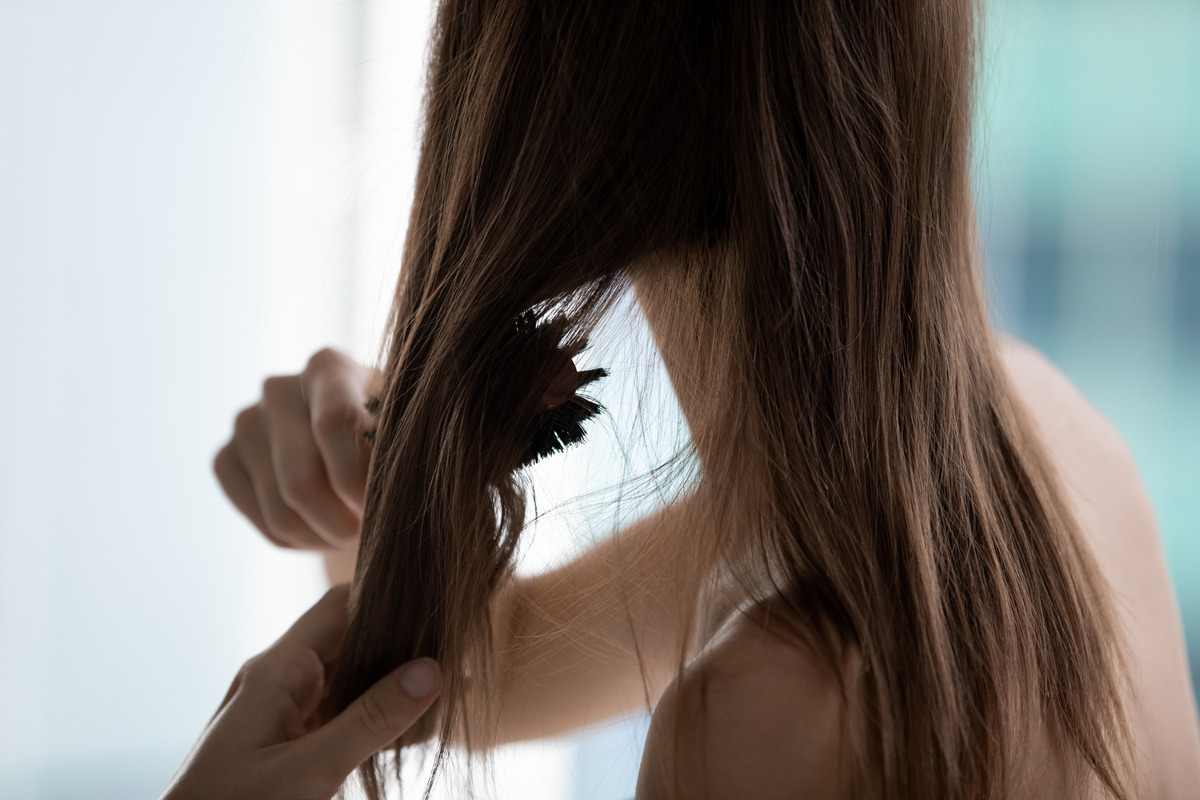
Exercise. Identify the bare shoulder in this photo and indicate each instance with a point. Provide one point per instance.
(754, 715)
(1094, 465)
(1100, 479)
(1073, 428)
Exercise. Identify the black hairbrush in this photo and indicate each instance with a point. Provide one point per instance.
(558, 421)
(560, 425)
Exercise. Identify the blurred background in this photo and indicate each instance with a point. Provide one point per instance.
(194, 196)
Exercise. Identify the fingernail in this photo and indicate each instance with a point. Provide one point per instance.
(419, 678)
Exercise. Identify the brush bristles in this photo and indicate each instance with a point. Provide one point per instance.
(556, 428)
(559, 427)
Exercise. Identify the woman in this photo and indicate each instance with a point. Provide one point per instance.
(913, 563)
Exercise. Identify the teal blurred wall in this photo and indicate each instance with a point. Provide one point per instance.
(1088, 185)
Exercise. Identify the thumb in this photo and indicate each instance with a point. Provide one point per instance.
(376, 719)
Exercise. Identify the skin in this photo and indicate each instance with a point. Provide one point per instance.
(270, 740)
(571, 655)
(579, 647)
(741, 699)
(1114, 511)
(296, 466)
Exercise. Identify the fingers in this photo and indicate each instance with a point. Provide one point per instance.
(254, 451)
(336, 389)
(299, 468)
(284, 684)
(320, 629)
(275, 693)
(377, 718)
(297, 464)
(236, 484)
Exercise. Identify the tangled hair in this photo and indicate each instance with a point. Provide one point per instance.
(787, 184)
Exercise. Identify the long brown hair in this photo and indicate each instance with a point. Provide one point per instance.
(795, 176)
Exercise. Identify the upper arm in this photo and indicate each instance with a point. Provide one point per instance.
(596, 637)
(753, 716)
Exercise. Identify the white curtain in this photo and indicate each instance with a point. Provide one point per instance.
(168, 174)
(177, 187)
(194, 196)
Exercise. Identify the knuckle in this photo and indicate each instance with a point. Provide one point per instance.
(336, 420)
(299, 484)
(256, 671)
(278, 541)
(300, 666)
(281, 522)
(322, 359)
(274, 387)
(379, 718)
(245, 421)
(308, 665)
(268, 674)
(222, 462)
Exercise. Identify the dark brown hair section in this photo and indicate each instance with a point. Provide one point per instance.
(795, 174)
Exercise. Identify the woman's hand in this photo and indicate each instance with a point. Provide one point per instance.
(268, 741)
(297, 463)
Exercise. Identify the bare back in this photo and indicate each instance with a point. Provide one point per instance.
(795, 701)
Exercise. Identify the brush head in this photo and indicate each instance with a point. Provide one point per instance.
(557, 427)
(561, 412)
